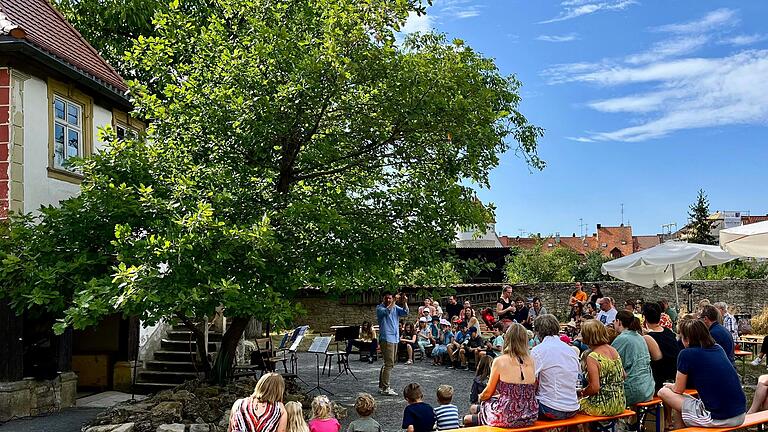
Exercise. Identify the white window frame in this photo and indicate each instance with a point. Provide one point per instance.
(60, 161)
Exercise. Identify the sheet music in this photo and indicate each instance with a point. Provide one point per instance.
(320, 344)
(295, 345)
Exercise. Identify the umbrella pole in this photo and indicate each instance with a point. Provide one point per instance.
(674, 280)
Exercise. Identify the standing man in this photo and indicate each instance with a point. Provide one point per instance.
(729, 322)
(607, 314)
(388, 314)
(505, 307)
(453, 308)
(711, 317)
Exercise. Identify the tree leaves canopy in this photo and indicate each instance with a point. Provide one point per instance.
(700, 227)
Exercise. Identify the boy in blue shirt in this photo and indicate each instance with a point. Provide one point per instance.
(460, 334)
(418, 415)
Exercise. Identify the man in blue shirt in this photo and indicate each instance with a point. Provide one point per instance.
(710, 316)
(388, 314)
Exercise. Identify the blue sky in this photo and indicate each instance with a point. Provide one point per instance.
(643, 101)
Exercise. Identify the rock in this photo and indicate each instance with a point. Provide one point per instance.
(167, 412)
(199, 428)
(182, 396)
(207, 392)
(163, 395)
(224, 422)
(125, 427)
(174, 427)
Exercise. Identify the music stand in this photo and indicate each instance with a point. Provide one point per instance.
(319, 346)
(344, 334)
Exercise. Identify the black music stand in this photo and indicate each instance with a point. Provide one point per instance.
(345, 334)
(319, 346)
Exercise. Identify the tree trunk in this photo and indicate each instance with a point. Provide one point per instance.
(201, 341)
(226, 355)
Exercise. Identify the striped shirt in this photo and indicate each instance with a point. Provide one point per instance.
(244, 417)
(447, 417)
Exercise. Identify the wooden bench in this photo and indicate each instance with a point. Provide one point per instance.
(758, 419)
(653, 407)
(578, 419)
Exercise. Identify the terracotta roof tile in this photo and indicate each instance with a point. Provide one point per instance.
(47, 30)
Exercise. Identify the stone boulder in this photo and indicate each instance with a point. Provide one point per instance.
(125, 427)
(173, 427)
(167, 412)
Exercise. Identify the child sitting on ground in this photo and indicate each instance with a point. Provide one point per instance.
(295, 416)
(418, 415)
(364, 405)
(322, 416)
(446, 413)
(481, 379)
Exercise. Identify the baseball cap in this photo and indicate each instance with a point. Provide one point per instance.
(423, 319)
(444, 322)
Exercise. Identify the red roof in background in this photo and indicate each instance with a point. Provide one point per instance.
(646, 242)
(746, 220)
(47, 30)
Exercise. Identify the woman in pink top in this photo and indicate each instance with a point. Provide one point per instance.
(322, 416)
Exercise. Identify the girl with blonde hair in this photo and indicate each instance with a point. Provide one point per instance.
(322, 416)
(263, 411)
(296, 421)
(509, 399)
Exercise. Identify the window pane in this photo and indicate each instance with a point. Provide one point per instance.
(73, 145)
(58, 145)
(73, 114)
(120, 132)
(58, 108)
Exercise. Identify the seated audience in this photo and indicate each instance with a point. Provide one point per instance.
(481, 378)
(408, 342)
(470, 320)
(578, 296)
(721, 400)
(447, 414)
(445, 338)
(521, 311)
(364, 405)
(607, 314)
(494, 345)
(418, 415)
(472, 348)
(509, 399)
(322, 416)
(536, 310)
(263, 411)
(367, 341)
(635, 358)
(594, 296)
(556, 365)
(763, 352)
(664, 369)
(668, 310)
(487, 316)
(423, 336)
(427, 306)
(460, 334)
(711, 317)
(729, 321)
(453, 308)
(295, 414)
(604, 392)
(438, 309)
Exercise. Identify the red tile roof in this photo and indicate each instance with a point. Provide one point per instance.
(746, 220)
(46, 29)
(645, 242)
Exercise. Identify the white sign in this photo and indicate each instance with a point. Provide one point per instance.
(731, 219)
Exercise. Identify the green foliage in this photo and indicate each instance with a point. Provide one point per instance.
(737, 269)
(699, 228)
(588, 268)
(537, 265)
(291, 144)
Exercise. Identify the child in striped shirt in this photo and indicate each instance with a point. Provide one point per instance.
(446, 413)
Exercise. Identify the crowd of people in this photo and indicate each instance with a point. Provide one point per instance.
(531, 367)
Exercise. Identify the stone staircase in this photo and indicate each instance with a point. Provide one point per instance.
(175, 362)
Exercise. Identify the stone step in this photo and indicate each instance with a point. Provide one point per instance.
(185, 346)
(174, 356)
(166, 377)
(185, 335)
(171, 366)
(146, 388)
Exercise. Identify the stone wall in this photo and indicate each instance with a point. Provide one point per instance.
(30, 397)
(743, 296)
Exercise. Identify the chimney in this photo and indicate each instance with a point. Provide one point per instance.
(574, 235)
(599, 226)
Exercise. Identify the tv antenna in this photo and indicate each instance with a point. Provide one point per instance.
(622, 214)
(582, 227)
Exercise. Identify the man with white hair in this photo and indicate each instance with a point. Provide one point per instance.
(607, 314)
(729, 321)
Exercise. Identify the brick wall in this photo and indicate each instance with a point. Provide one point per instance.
(5, 134)
(743, 296)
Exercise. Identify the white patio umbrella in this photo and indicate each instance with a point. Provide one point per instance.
(746, 240)
(665, 263)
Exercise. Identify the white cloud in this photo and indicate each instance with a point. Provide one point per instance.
(577, 8)
(717, 18)
(687, 94)
(417, 23)
(581, 139)
(555, 38)
(669, 48)
(457, 9)
(742, 40)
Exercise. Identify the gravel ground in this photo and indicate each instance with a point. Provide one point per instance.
(389, 409)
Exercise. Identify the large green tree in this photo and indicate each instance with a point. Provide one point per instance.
(292, 144)
(700, 227)
(536, 264)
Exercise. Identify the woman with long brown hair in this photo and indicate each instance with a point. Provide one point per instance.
(509, 399)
